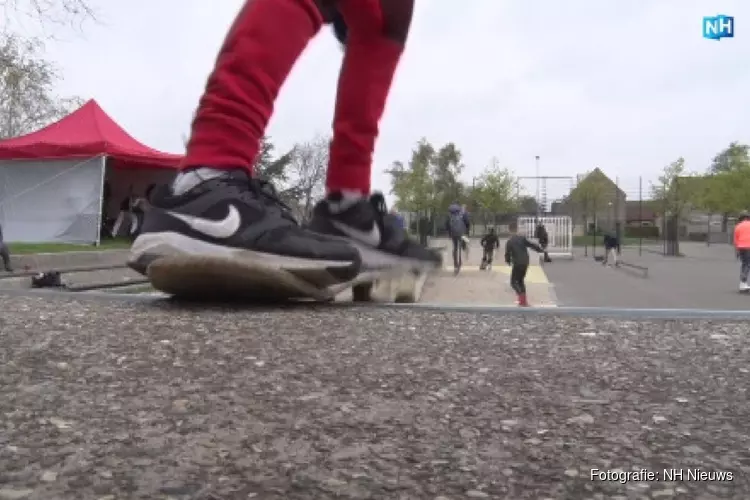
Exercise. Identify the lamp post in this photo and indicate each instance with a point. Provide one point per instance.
(538, 193)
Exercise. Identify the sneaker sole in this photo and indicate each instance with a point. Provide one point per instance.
(183, 266)
(376, 260)
(210, 280)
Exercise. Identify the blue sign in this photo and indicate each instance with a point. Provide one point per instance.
(718, 27)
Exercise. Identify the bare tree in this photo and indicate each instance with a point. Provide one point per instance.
(46, 13)
(27, 81)
(307, 173)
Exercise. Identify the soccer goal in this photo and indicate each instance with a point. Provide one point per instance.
(560, 232)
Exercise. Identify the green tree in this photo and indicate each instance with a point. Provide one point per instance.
(412, 184)
(735, 156)
(676, 192)
(446, 172)
(271, 168)
(725, 191)
(494, 191)
(677, 189)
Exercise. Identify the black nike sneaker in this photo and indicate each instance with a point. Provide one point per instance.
(380, 237)
(227, 233)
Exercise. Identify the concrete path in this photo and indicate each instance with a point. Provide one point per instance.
(488, 288)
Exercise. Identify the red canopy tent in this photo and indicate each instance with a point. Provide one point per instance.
(86, 133)
(64, 162)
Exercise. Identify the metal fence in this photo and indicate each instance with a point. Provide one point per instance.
(642, 212)
(662, 216)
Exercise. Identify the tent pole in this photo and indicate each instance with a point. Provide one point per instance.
(101, 202)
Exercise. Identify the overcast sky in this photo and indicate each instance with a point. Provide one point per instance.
(625, 85)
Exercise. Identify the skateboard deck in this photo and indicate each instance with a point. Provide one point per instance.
(213, 279)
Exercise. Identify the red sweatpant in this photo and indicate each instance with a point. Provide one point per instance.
(265, 41)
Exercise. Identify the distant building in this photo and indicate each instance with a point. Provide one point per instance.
(641, 213)
(596, 202)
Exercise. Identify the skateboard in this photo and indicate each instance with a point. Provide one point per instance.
(213, 279)
(218, 278)
(402, 286)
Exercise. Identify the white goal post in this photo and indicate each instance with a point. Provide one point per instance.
(559, 229)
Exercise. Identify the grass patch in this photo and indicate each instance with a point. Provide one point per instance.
(20, 248)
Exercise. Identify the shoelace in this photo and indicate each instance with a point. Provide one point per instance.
(270, 195)
(266, 191)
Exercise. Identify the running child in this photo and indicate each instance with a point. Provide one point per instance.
(218, 214)
(517, 256)
(490, 242)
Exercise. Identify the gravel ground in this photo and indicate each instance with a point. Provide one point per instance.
(134, 400)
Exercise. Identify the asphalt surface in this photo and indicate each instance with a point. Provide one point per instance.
(706, 278)
(104, 399)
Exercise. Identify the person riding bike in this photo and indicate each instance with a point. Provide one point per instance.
(458, 228)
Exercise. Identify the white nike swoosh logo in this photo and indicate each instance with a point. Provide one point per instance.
(214, 228)
(371, 237)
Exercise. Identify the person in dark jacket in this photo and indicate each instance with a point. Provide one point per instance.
(540, 233)
(400, 218)
(457, 226)
(5, 253)
(490, 242)
(611, 248)
(517, 256)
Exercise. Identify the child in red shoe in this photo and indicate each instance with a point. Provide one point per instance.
(216, 210)
(517, 256)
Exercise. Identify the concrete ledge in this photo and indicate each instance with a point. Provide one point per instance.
(62, 260)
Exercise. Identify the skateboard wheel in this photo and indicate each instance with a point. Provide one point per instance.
(362, 292)
(407, 289)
